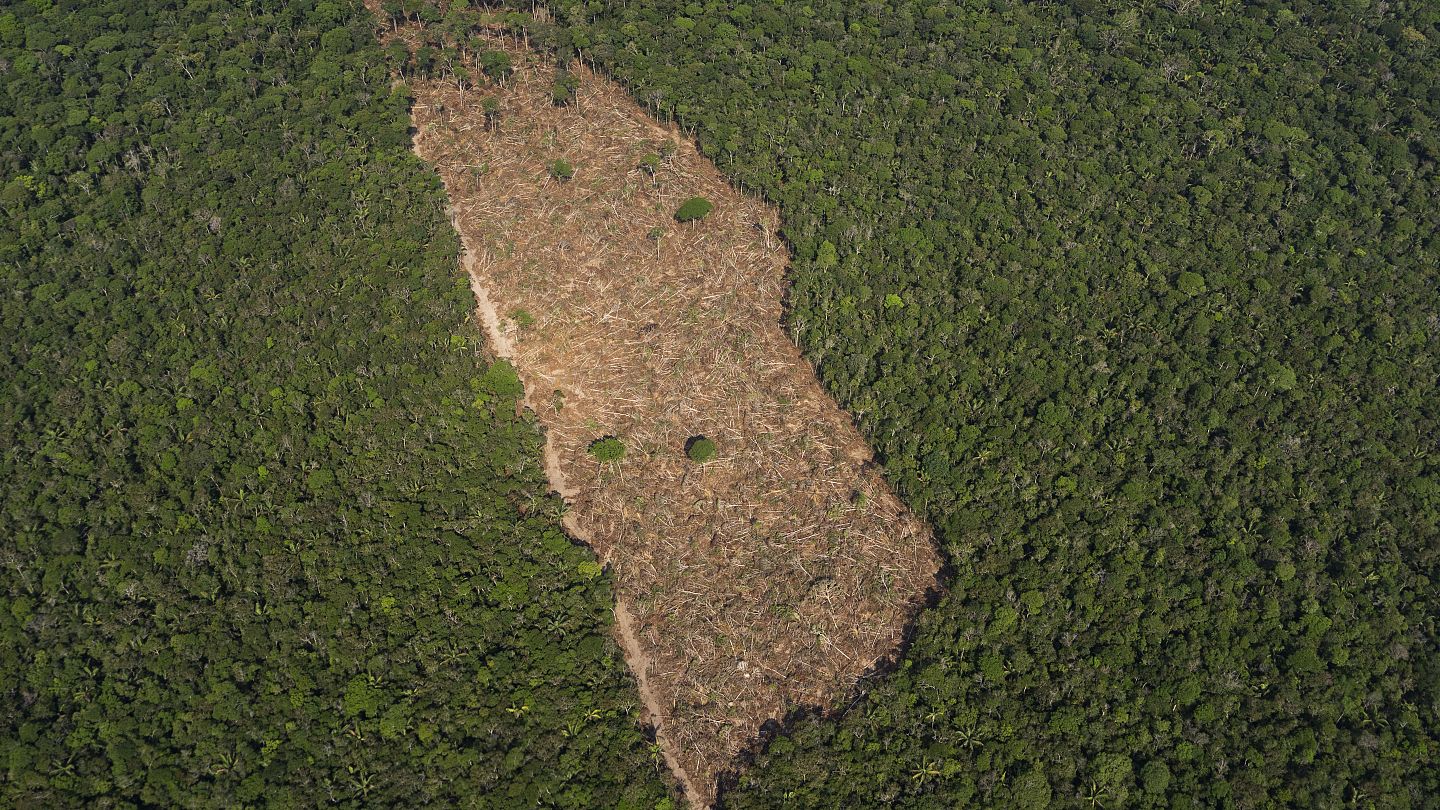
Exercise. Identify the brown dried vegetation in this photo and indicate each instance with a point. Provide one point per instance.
(768, 578)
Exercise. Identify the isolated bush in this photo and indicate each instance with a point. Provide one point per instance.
(607, 449)
(561, 170)
(693, 209)
(701, 449)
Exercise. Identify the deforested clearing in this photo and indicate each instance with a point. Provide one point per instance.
(778, 569)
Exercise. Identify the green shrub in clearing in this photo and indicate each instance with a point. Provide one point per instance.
(693, 209)
(561, 170)
(607, 449)
(701, 450)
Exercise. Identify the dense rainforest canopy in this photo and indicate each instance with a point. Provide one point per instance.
(273, 534)
(1139, 304)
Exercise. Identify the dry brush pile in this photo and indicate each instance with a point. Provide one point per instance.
(771, 576)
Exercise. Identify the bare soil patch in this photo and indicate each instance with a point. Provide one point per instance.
(770, 577)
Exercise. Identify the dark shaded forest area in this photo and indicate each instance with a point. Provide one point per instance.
(273, 534)
(1139, 305)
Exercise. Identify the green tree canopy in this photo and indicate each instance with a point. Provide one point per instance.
(701, 449)
(693, 209)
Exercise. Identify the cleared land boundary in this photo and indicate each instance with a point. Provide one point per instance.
(769, 578)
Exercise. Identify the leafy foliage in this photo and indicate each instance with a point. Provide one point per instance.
(562, 94)
(496, 65)
(1138, 306)
(693, 209)
(561, 170)
(274, 535)
(701, 449)
(607, 449)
